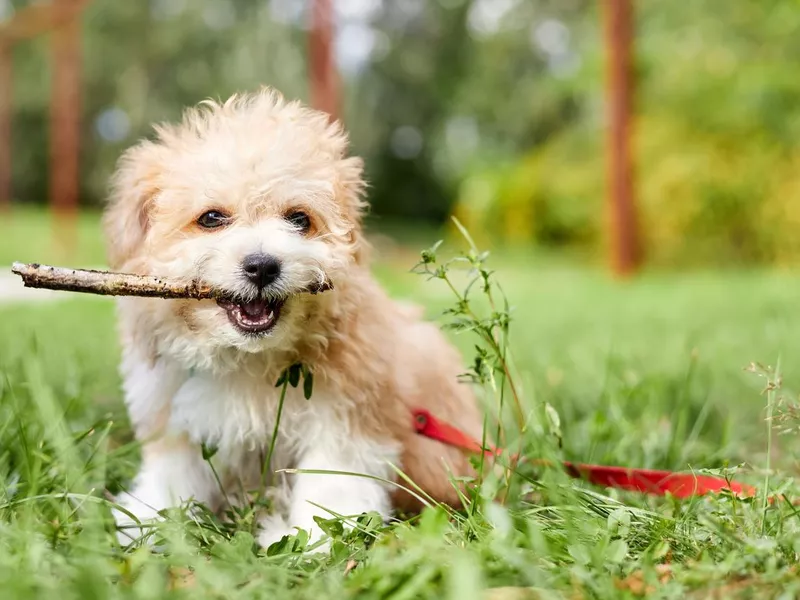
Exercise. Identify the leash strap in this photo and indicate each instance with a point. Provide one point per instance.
(648, 481)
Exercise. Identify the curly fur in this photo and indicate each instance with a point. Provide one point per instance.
(190, 377)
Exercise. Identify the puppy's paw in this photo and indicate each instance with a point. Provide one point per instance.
(274, 528)
(129, 531)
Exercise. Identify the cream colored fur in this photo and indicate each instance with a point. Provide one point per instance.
(190, 377)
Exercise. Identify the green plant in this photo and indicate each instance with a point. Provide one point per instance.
(645, 374)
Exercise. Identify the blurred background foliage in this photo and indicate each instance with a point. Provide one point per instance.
(492, 110)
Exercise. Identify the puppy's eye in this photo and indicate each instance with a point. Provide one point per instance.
(300, 220)
(212, 219)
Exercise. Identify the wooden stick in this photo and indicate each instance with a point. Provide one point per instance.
(107, 284)
(120, 284)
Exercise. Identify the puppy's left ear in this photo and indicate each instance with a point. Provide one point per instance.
(127, 217)
(352, 188)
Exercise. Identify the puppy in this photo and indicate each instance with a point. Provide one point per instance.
(258, 198)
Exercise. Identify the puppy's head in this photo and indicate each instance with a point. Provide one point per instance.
(255, 197)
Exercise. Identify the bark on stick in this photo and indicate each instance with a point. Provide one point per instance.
(105, 283)
(108, 284)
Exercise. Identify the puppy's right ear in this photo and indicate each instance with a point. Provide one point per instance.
(127, 217)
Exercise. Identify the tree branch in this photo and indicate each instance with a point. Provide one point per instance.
(119, 284)
(107, 284)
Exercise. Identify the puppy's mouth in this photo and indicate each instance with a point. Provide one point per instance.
(255, 317)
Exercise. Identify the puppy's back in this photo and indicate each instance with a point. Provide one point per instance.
(435, 366)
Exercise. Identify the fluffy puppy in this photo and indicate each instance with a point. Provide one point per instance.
(258, 198)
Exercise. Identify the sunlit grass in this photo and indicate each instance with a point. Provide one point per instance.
(648, 373)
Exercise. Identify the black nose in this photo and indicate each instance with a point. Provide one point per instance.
(261, 269)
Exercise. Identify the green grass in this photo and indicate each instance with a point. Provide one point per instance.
(647, 374)
(31, 235)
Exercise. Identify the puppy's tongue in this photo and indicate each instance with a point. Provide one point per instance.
(255, 310)
(256, 316)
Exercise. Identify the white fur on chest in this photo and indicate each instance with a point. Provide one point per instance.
(236, 415)
(340, 467)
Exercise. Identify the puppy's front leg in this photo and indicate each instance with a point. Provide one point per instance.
(173, 471)
(328, 495)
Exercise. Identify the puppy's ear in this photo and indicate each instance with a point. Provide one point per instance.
(133, 187)
(352, 190)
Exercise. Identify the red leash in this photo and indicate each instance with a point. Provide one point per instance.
(648, 481)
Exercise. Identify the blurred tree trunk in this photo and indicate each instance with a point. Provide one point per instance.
(65, 123)
(322, 68)
(623, 226)
(5, 124)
